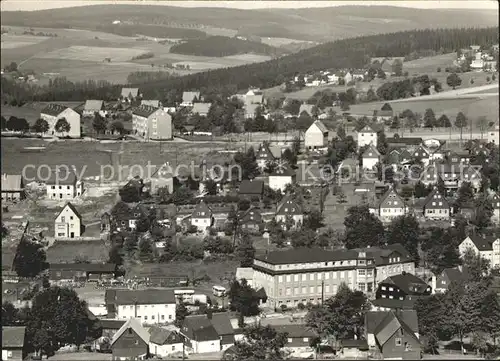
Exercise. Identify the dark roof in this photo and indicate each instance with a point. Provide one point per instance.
(202, 207)
(54, 109)
(87, 267)
(405, 304)
(73, 209)
(282, 170)
(144, 111)
(162, 336)
(201, 327)
(455, 274)
(386, 107)
(264, 152)
(359, 344)
(13, 336)
(111, 324)
(222, 323)
(289, 207)
(405, 141)
(251, 187)
(135, 325)
(295, 331)
(435, 195)
(306, 255)
(250, 216)
(483, 243)
(61, 177)
(141, 297)
(374, 318)
(391, 323)
(408, 283)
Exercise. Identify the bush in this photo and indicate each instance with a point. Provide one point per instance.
(438, 70)
(283, 308)
(301, 306)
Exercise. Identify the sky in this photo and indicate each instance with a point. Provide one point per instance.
(29, 5)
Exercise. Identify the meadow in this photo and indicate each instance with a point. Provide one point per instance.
(96, 54)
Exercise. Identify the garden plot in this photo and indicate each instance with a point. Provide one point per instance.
(93, 53)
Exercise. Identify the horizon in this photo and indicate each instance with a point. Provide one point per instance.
(30, 5)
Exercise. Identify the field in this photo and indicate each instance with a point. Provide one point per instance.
(88, 53)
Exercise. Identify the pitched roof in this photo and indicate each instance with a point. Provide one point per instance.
(11, 182)
(389, 198)
(483, 243)
(202, 210)
(276, 151)
(144, 111)
(222, 323)
(295, 331)
(73, 209)
(160, 335)
(151, 103)
(389, 325)
(251, 215)
(289, 207)
(455, 274)
(371, 152)
(142, 297)
(319, 124)
(264, 152)
(13, 336)
(126, 92)
(111, 324)
(54, 109)
(134, 325)
(93, 105)
(282, 170)
(61, 177)
(435, 195)
(404, 141)
(306, 255)
(188, 97)
(408, 283)
(201, 327)
(201, 108)
(374, 318)
(405, 304)
(87, 267)
(251, 187)
(367, 129)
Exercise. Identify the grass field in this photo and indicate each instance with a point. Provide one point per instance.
(88, 53)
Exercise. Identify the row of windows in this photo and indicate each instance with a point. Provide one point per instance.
(145, 306)
(325, 264)
(445, 211)
(317, 276)
(152, 317)
(60, 187)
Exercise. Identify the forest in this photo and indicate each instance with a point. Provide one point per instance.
(341, 54)
(219, 46)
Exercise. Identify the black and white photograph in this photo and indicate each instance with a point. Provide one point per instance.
(250, 180)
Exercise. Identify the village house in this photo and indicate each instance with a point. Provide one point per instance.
(251, 189)
(281, 177)
(290, 211)
(442, 281)
(12, 187)
(348, 78)
(201, 108)
(394, 334)
(422, 154)
(354, 349)
(68, 223)
(436, 207)
(201, 335)
(151, 103)
(264, 156)
(298, 341)
(223, 327)
(488, 247)
(370, 158)
(149, 306)
(161, 178)
(189, 98)
(63, 185)
(110, 326)
(151, 123)
(13, 343)
(367, 136)
(306, 275)
(251, 220)
(494, 134)
(202, 217)
(404, 286)
(131, 342)
(385, 113)
(251, 110)
(164, 341)
(80, 271)
(52, 113)
(391, 205)
(94, 106)
(316, 136)
(129, 94)
(495, 204)
(457, 158)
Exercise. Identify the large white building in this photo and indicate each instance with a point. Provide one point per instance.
(68, 223)
(63, 185)
(307, 275)
(316, 136)
(150, 306)
(367, 136)
(152, 123)
(488, 247)
(52, 113)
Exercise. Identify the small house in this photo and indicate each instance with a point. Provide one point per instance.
(316, 136)
(12, 187)
(201, 108)
(299, 338)
(13, 343)
(282, 176)
(370, 157)
(63, 185)
(390, 206)
(251, 220)
(290, 211)
(202, 217)
(131, 342)
(404, 286)
(129, 94)
(52, 113)
(189, 98)
(68, 223)
(164, 342)
(251, 189)
(442, 281)
(201, 335)
(93, 106)
(367, 136)
(436, 207)
(264, 156)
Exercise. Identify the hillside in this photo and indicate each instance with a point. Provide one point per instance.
(220, 46)
(315, 24)
(155, 31)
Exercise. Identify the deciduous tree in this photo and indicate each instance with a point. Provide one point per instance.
(405, 230)
(362, 228)
(62, 126)
(30, 258)
(453, 80)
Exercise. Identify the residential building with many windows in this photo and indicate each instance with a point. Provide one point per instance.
(152, 123)
(310, 275)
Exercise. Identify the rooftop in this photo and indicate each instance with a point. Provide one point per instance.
(13, 336)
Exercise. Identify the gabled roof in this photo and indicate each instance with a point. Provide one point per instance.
(12, 182)
(250, 216)
(393, 157)
(73, 209)
(289, 208)
(201, 108)
(94, 105)
(111, 324)
(144, 111)
(406, 304)
(455, 274)
(163, 336)
(320, 125)
(126, 92)
(202, 210)
(391, 323)
(13, 337)
(371, 152)
(61, 177)
(53, 109)
(201, 328)
(222, 323)
(252, 186)
(437, 197)
(408, 283)
(264, 152)
(282, 170)
(142, 297)
(389, 198)
(188, 97)
(422, 150)
(405, 154)
(136, 327)
(295, 331)
(151, 103)
(367, 129)
(483, 243)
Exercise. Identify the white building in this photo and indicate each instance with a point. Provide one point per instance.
(62, 185)
(150, 306)
(370, 157)
(129, 94)
(164, 341)
(487, 247)
(152, 123)
(202, 217)
(93, 106)
(281, 177)
(188, 98)
(495, 203)
(366, 136)
(52, 113)
(316, 136)
(68, 223)
(493, 135)
(290, 210)
(390, 206)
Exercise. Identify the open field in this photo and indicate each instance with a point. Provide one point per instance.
(429, 64)
(17, 41)
(88, 53)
